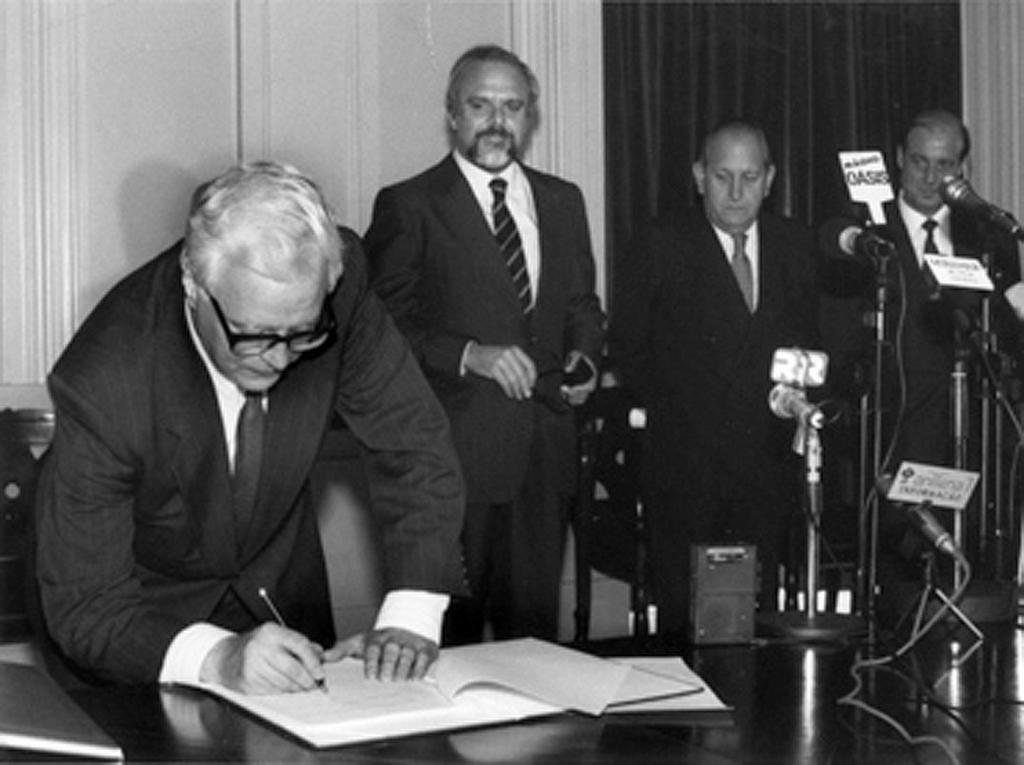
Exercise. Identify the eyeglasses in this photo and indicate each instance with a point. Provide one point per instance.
(258, 343)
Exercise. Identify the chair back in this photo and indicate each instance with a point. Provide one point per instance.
(25, 435)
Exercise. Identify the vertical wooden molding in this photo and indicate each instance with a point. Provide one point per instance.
(360, 148)
(561, 41)
(41, 214)
(255, 79)
(993, 79)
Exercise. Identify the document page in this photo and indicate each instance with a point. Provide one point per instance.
(500, 681)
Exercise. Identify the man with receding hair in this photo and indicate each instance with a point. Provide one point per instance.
(704, 298)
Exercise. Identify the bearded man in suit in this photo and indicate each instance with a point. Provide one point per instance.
(704, 298)
(486, 266)
(190, 408)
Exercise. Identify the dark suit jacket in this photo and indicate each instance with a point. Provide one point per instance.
(136, 537)
(699, 361)
(438, 269)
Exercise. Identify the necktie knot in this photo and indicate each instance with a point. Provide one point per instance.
(498, 188)
(739, 245)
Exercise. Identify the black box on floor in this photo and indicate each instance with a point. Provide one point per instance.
(723, 583)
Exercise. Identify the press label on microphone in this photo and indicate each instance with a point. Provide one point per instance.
(796, 366)
(867, 180)
(943, 487)
(961, 272)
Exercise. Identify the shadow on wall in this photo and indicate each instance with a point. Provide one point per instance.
(153, 206)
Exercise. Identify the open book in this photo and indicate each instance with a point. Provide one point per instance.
(495, 682)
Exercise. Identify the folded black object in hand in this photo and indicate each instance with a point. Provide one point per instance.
(580, 374)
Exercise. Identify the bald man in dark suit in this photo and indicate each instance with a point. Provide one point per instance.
(695, 341)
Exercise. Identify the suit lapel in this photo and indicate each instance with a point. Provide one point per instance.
(547, 208)
(191, 423)
(724, 292)
(298, 410)
(772, 295)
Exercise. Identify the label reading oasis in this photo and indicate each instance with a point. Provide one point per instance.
(867, 180)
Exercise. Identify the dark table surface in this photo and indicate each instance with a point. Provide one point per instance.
(784, 698)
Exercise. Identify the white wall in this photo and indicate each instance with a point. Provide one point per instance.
(112, 111)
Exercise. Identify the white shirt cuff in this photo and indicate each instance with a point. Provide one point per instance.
(418, 611)
(184, 658)
(462, 359)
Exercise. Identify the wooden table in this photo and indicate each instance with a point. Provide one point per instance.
(784, 699)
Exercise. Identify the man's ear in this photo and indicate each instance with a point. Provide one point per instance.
(769, 180)
(188, 282)
(698, 176)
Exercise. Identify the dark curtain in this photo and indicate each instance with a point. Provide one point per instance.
(820, 77)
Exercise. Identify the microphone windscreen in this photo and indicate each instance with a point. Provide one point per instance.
(833, 236)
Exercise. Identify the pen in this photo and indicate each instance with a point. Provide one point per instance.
(321, 683)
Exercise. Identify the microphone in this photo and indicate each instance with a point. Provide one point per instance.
(790, 403)
(934, 531)
(957, 192)
(852, 239)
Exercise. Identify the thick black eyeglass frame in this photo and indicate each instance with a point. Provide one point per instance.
(297, 342)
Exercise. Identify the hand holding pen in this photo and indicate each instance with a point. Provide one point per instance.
(318, 678)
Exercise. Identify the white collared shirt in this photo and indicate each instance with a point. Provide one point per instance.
(914, 223)
(753, 249)
(518, 198)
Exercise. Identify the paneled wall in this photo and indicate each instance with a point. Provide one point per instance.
(112, 111)
(993, 76)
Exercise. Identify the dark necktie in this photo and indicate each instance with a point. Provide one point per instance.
(511, 245)
(930, 247)
(248, 455)
(741, 269)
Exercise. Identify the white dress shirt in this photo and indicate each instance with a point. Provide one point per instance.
(518, 199)
(914, 223)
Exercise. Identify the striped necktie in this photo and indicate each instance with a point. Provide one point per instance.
(510, 244)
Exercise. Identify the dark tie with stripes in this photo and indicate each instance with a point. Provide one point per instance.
(511, 245)
(248, 455)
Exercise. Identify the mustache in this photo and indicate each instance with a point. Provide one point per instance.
(495, 132)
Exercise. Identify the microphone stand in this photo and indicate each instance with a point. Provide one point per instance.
(811, 625)
(931, 590)
(960, 416)
(867, 558)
